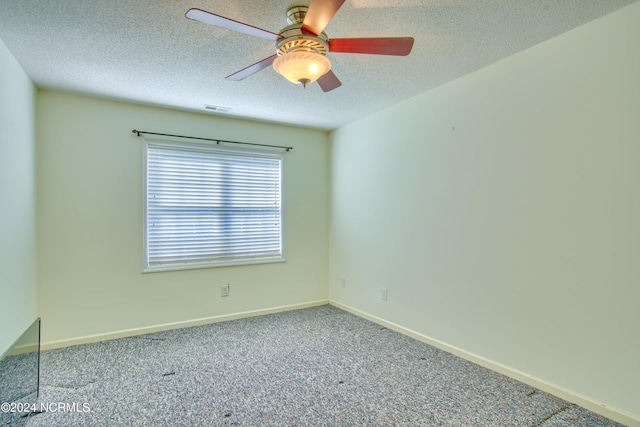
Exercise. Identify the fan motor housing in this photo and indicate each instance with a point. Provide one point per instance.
(295, 39)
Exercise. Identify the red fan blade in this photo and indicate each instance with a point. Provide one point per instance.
(329, 81)
(319, 14)
(399, 46)
(230, 24)
(252, 69)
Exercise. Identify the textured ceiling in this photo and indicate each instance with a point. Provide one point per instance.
(147, 51)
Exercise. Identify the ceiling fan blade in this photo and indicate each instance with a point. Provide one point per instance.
(329, 81)
(252, 69)
(220, 21)
(319, 14)
(399, 46)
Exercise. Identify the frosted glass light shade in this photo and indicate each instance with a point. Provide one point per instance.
(302, 67)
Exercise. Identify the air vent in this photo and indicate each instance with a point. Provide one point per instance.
(217, 108)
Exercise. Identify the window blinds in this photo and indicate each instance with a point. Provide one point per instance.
(209, 205)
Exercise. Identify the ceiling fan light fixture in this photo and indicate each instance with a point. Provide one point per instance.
(302, 67)
(302, 46)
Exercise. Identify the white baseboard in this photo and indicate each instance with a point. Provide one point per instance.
(601, 408)
(176, 325)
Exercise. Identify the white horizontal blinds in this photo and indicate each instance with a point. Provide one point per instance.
(208, 205)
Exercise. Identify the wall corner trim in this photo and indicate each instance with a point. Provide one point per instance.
(592, 405)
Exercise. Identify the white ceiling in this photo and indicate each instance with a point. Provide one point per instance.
(147, 51)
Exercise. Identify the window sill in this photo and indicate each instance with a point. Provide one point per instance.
(195, 266)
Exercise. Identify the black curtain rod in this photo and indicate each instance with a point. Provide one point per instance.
(218, 141)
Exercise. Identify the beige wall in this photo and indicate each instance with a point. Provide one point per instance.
(90, 221)
(502, 212)
(17, 201)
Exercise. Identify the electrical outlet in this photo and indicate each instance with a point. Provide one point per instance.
(343, 283)
(224, 290)
(384, 294)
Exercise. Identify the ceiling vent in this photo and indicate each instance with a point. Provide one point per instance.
(217, 108)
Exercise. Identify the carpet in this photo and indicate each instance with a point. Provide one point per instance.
(318, 366)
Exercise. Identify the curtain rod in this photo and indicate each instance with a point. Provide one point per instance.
(217, 141)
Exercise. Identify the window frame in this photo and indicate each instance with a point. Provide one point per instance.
(208, 147)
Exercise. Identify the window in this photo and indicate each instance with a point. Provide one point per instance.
(209, 205)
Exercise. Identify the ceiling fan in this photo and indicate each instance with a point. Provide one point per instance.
(302, 46)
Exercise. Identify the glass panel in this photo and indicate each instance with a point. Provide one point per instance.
(20, 377)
